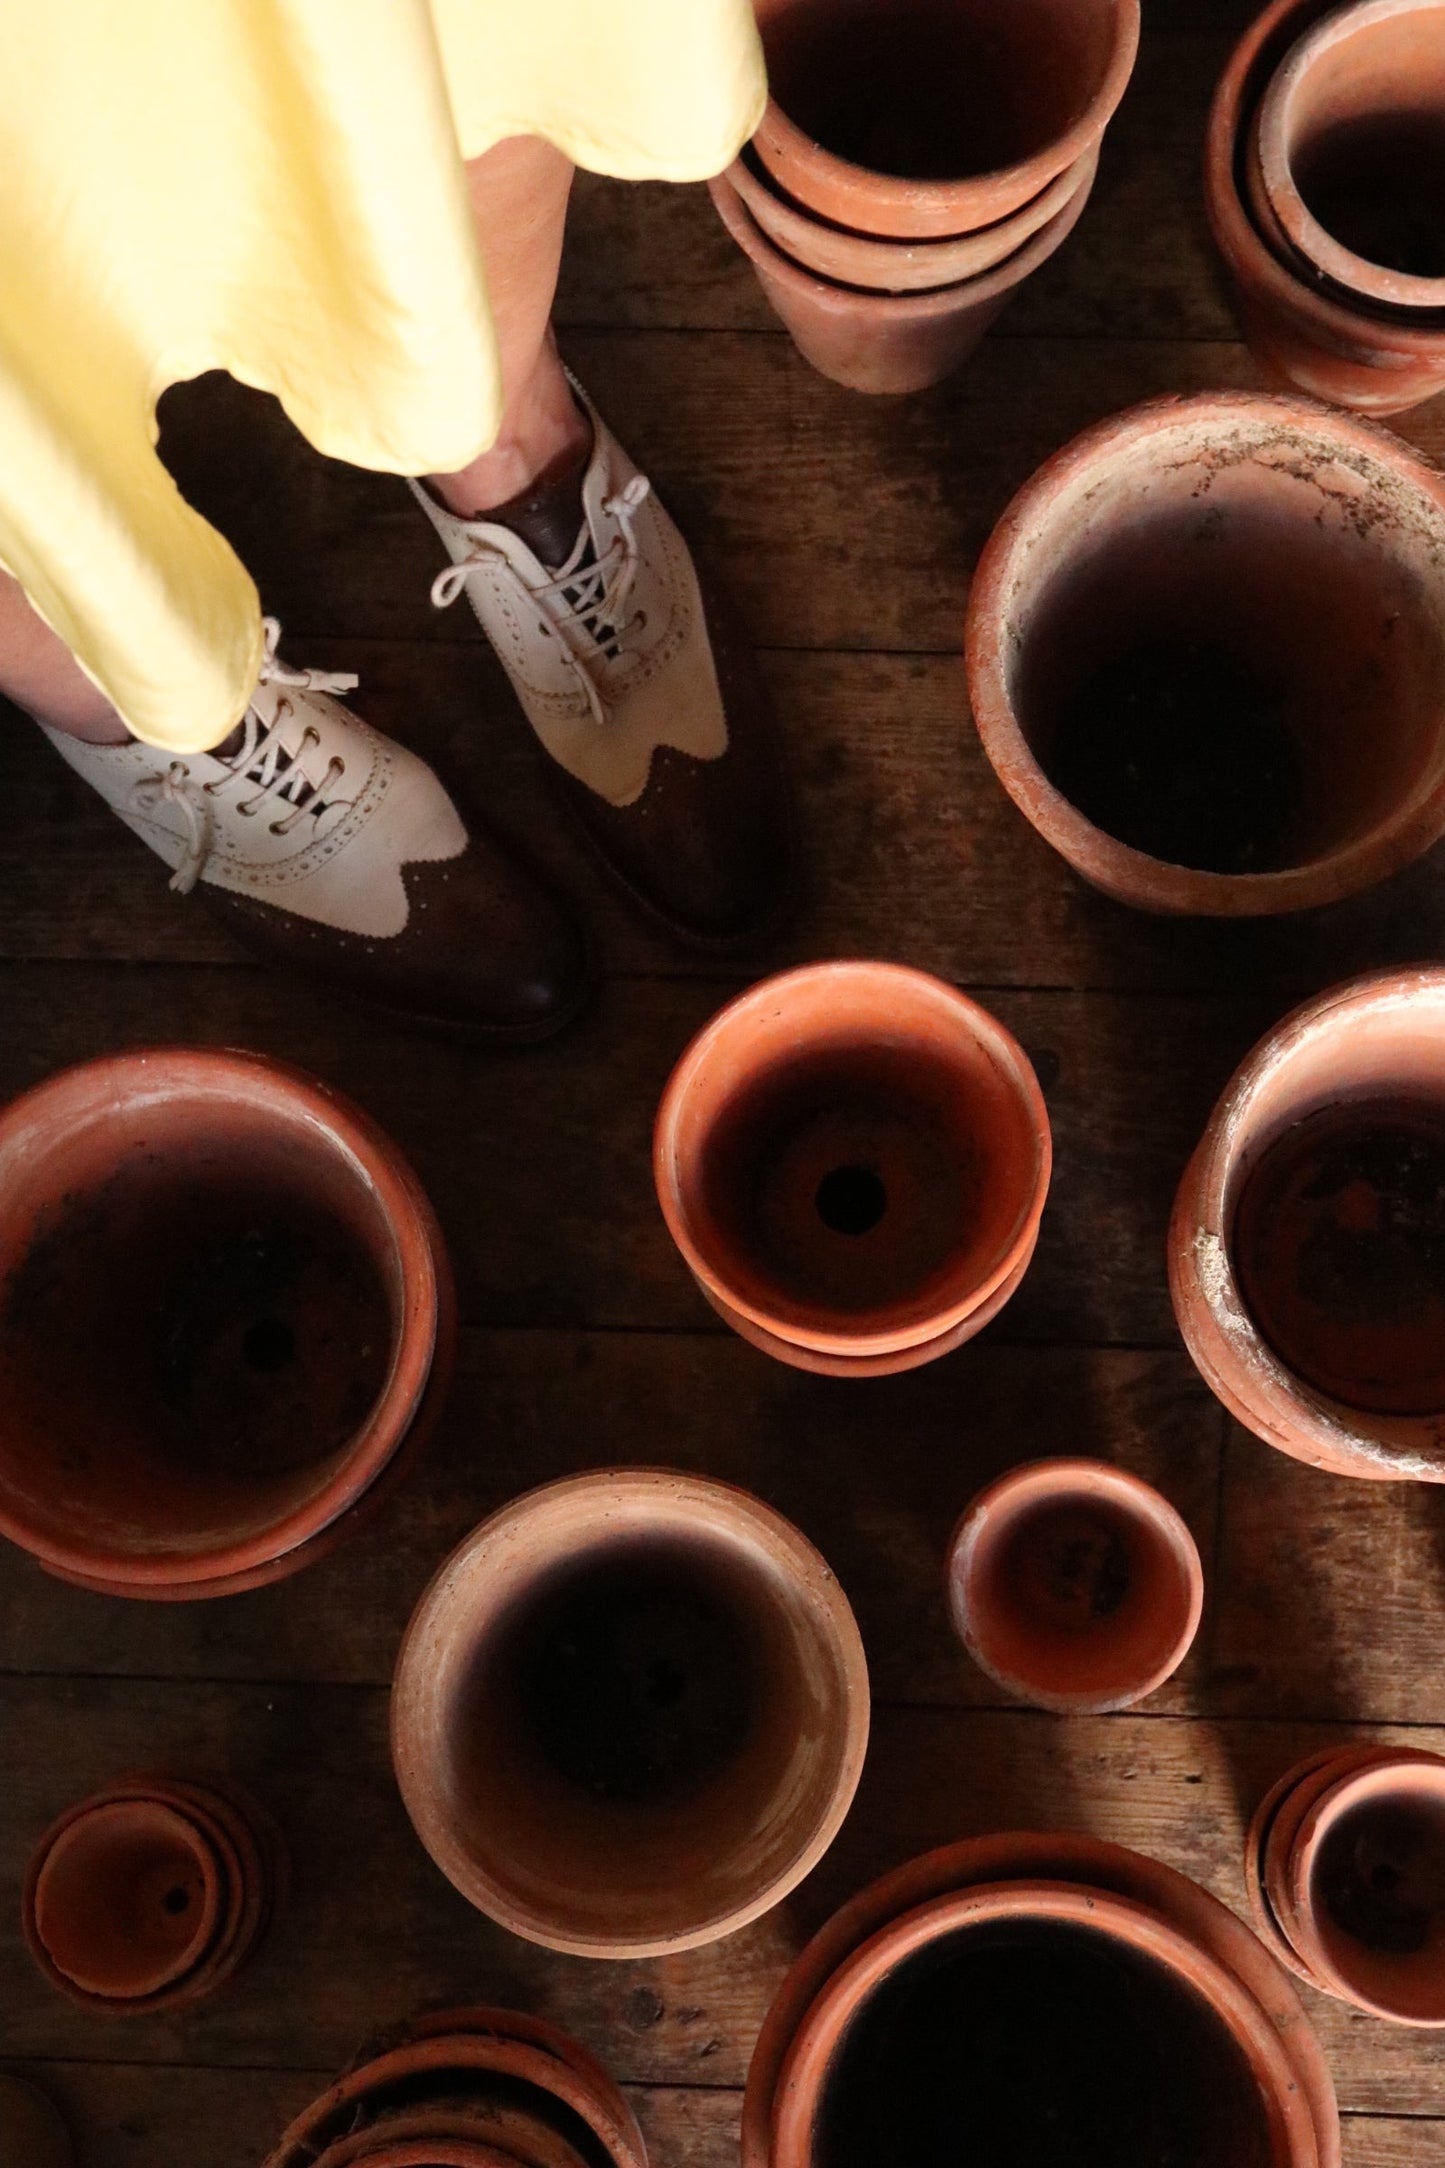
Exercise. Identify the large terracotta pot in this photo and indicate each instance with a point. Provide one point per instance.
(1363, 355)
(925, 118)
(887, 342)
(1304, 1244)
(853, 1160)
(906, 266)
(997, 2035)
(152, 1894)
(223, 1291)
(470, 2072)
(1345, 1863)
(630, 1712)
(1074, 1585)
(1206, 654)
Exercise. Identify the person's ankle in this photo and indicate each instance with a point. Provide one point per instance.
(548, 435)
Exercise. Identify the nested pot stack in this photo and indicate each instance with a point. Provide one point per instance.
(1325, 184)
(469, 2088)
(917, 162)
(1345, 1867)
(1305, 1244)
(226, 1321)
(152, 1894)
(853, 1159)
(994, 1994)
(630, 1712)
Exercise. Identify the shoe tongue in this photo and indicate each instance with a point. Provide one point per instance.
(549, 513)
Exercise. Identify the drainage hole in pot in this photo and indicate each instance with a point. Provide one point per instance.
(1376, 183)
(1381, 1875)
(851, 1200)
(1179, 748)
(636, 1682)
(1023, 2045)
(177, 1900)
(1339, 1244)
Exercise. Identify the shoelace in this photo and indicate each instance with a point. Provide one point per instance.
(263, 757)
(585, 605)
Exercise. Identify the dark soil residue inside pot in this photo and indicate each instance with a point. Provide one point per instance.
(1339, 1243)
(637, 1682)
(1381, 1876)
(1020, 2046)
(1069, 1567)
(1377, 184)
(1179, 749)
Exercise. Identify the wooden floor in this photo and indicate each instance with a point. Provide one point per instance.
(847, 529)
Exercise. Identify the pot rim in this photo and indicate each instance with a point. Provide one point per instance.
(983, 1028)
(1011, 1855)
(416, 1696)
(920, 306)
(833, 2012)
(1413, 1771)
(1130, 875)
(1357, 274)
(419, 1252)
(1214, 1320)
(1056, 1479)
(911, 208)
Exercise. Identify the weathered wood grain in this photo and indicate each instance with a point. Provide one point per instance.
(876, 1478)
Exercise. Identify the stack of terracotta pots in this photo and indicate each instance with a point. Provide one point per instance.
(916, 164)
(470, 2088)
(630, 1712)
(853, 1160)
(226, 1322)
(1325, 178)
(1074, 1585)
(1345, 1866)
(1206, 654)
(1030, 1997)
(1305, 1246)
(152, 1894)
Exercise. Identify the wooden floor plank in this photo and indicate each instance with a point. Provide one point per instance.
(373, 1929)
(876, 1479)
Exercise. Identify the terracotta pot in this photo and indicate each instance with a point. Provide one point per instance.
(853, 1160)
(511, 2135)
(1359, 356)
(1305, 1188)
(1083, 1862)
(1055, 1977)
(1260, 1839)
(32, 2134)
(886, 342)
(497, 2066)
(1367, 1887)
(1206, 658)
(921, 119)
(1351, 146)
(895, 267)
(1074, 1585)
(261, 1296)
(630, 1712)
(152, 1894)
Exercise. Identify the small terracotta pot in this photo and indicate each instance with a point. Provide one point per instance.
(1074, 1585)
(495, 2068)
(32, 2134)
(1206, 658)
(260, 1300)
(630, 1712)
(886, 343)
(1261, 1840)
(896, 267)
(152, 1894)
(1227, 2084)
(853, 1160)
(1351, 149)
(1311, 1181)
(1093, 1868)
(923, 120)
(1367, 357)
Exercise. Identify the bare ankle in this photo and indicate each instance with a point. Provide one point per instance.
(542, 431)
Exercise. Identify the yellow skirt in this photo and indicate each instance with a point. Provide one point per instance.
(275, 188)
